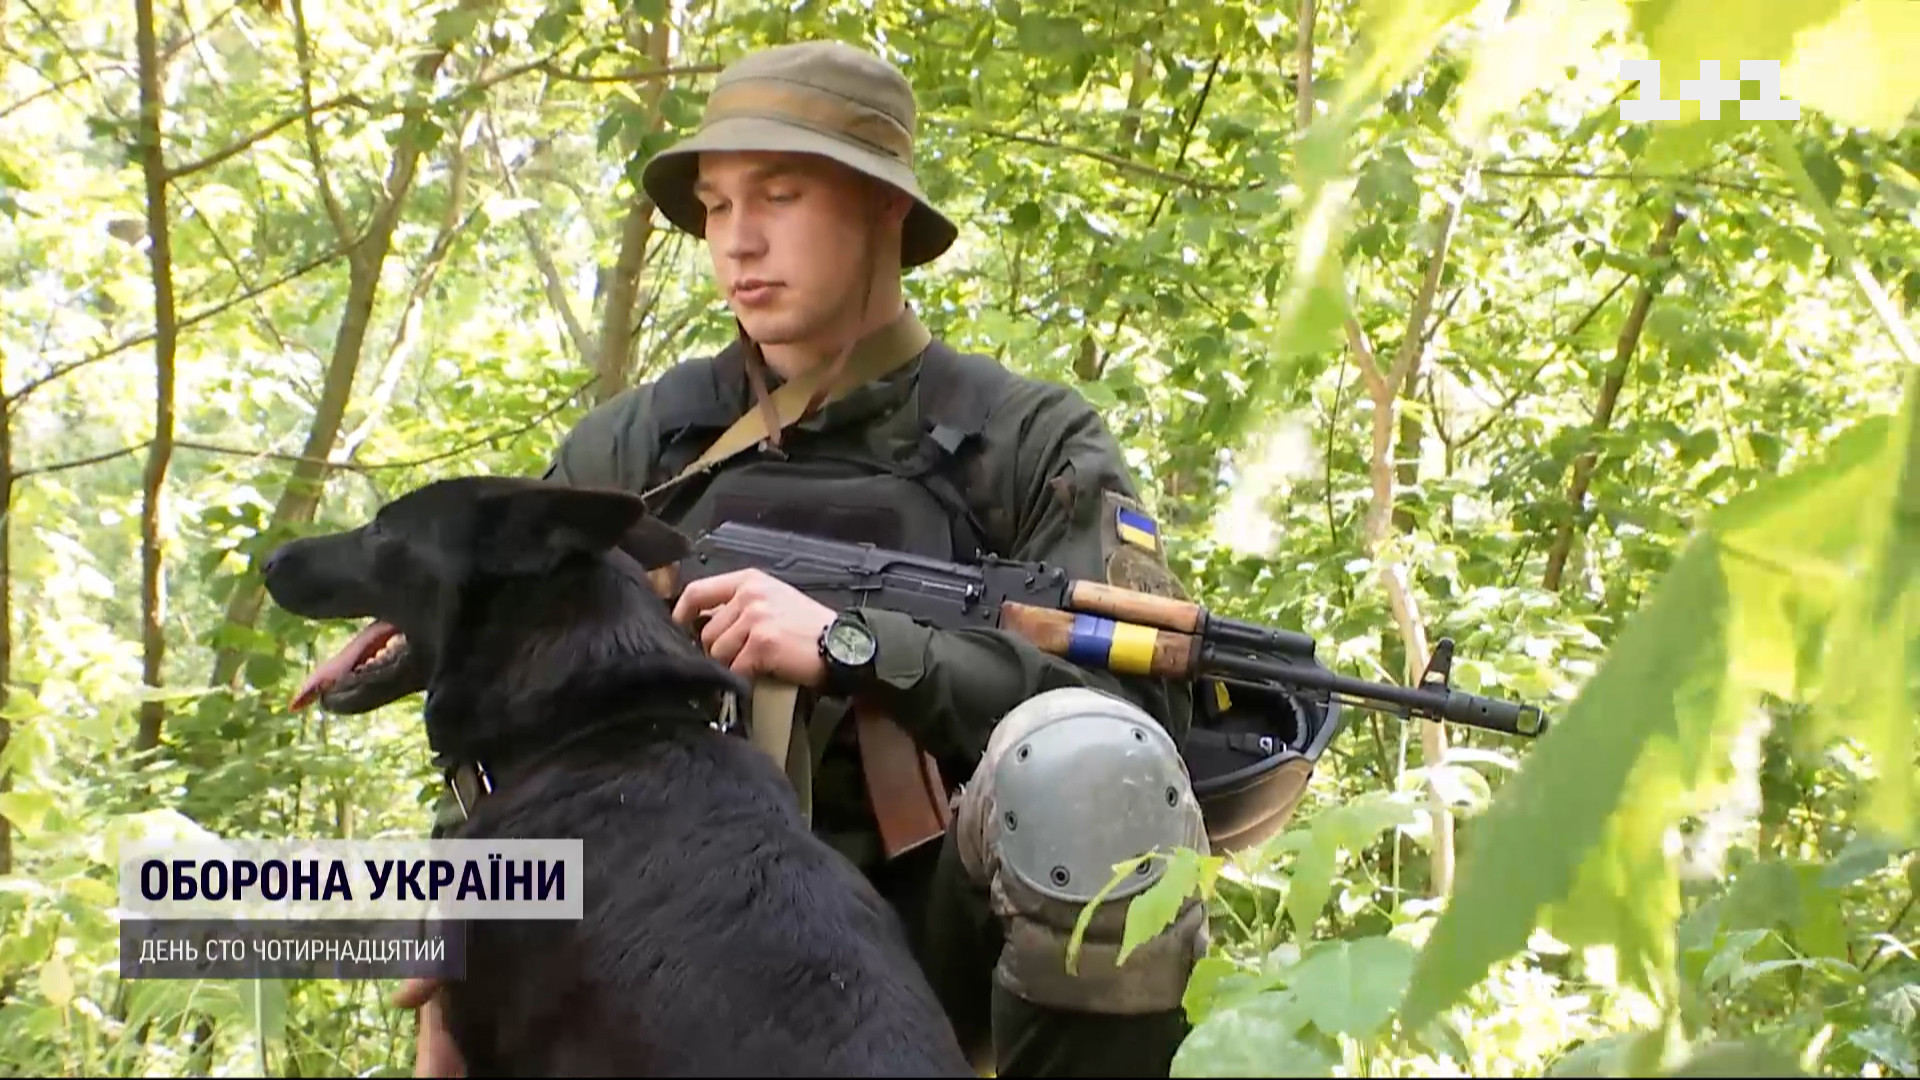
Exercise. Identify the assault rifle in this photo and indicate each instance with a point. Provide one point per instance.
(1087, 622)
(1090, 623)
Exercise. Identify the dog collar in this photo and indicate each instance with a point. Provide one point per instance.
(470, 780)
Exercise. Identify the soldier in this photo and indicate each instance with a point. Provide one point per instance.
(800, 181)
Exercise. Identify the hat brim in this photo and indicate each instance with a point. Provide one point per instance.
(669, 176)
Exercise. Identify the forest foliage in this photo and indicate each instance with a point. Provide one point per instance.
(1407, 334)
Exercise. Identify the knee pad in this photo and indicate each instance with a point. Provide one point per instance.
(1073, 782)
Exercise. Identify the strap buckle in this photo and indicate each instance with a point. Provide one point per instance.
(949, 439)
(729, 721)
(469, 781)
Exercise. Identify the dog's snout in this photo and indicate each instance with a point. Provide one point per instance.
(273, 560)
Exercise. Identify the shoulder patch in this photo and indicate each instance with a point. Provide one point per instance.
(1130, 523)
(1134, 555)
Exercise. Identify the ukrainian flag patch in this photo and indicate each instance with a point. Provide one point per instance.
(1136, 528)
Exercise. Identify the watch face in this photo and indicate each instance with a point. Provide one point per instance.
(849, 643)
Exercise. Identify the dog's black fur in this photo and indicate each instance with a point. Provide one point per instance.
(720, 936)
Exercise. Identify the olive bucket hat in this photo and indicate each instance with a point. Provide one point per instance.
(816, 97)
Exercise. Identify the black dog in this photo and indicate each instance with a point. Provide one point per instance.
(720, 936)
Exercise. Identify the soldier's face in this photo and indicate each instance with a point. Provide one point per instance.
(788, 236)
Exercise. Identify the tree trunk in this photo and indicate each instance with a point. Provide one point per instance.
(6, 599)
(153, 635)
(301, 496)
(614, 362)
(1385, 388)
(1584, 465)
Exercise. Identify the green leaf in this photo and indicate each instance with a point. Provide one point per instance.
(1596, 789)
(1352, 987)
(1858, 68)
(56, 982)
(455, 24)
(1864, 684)
(1154, 910)
(1765, 894)
(1737, 1058)
(1208, 974)
(1529, 52)
(1826, 174)
(1258, 1037)
(1311, 882)
(1680, 34)
(1605, 1056)
(25, 809)
(1732, 956)
(1099, 394)
(1747, 973)
(1889, 1046)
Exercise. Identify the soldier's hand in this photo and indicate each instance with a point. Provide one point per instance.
(758, 625)
(434, 1053)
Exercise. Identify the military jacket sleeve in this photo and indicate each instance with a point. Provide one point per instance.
(1066, 498)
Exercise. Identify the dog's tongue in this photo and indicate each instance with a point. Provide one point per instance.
(333, 668)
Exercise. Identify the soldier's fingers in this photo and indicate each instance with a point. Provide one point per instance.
(719, 622)
(732, 641)
(706, 594)
(414, 993)
(747, 663)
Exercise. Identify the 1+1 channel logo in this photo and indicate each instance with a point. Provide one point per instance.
(1709, 90)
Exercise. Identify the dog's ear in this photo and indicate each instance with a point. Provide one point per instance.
(529, 530)
(654, 543)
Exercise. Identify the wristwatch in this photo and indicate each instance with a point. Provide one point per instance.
(847, 646)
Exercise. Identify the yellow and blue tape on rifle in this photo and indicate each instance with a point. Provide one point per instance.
(1122, 647)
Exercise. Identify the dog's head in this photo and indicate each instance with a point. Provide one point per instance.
(423, 555)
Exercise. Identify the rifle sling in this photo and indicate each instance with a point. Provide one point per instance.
(904, 785)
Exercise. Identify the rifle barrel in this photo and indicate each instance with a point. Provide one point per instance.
(1451, 706)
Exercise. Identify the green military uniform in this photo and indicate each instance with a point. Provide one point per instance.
(1055, 479)
(1035, 475)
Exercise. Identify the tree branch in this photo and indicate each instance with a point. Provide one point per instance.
(301, 494)
(1638, 178)
(91, 459)
(1414, 339)
(53, 87)
(1098, 155)
(307, 113)
(1585, 464)
(1392, 570)
(1303, 70)
(614, 356)
(239, 272)
(303, 50)
(198, 446)
(153, 638)
(1098, 359)
(62, 370)
(549, 68)
(1527, 381)
(542, 258)
(452, 224)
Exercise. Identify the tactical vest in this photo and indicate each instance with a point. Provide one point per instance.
(1250, 761)
(831, 484)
